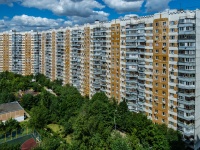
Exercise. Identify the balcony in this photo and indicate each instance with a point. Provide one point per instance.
(183, 63)
(97, 72)
(184, 32)
(184, 117)
(141, 70)
(186, 47)
(131, 56)
(141, 95)
(131, 52)
(182, 69)
(131, 68)
(131, 92)
(131, 104)
(132, 108)
(184, 86)
(96, 86)
(131, 86)
(186, 110)
(131, 98)
(186, 56)
(187, 101)
(141, 77)
(131, 75)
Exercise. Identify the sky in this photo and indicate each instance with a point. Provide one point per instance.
(24, 15)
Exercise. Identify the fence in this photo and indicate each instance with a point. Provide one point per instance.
(19, 135)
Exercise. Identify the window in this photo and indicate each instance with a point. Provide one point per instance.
(163, 99)
(181, 28)
(157, 24)
(157, 37)
(172, 22)
(187, 28)
(157, 30)
(163, 79)
(172, 37)
(157, 57)
(157, 51)
(163, 106)
(164, 30)
(164, 44)
(164, 58)
(164, 51)
(172, 30)
(164, 86)
(172, 44)
(164, 23)
(171, 123)
(163, 120)
(163, 113)
(164, 37)
(164, 65)
(163, 93)
(163, 71)
(156, 64)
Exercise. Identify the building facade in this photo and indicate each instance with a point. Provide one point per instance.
(151, 62)
(11, 110)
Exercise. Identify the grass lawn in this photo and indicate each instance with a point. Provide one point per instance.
(56, 128)
(68, 139)
(59, 129)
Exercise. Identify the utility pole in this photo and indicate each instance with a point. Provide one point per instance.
(114, 119)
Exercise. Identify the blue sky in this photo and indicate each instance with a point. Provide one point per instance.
(44, 14)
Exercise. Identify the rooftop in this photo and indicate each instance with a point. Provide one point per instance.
(10, 107)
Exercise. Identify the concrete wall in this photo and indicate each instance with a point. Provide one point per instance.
(18, 115)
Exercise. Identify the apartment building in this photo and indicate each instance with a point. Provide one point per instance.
(151, 62)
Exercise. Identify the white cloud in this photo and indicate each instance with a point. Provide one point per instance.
(83, 8)
(9, 2)
(97, 15)
(25, 23)
(156, 5)
(122, 6)
(34, 21)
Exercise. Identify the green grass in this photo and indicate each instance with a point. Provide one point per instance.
(68, 139)
(56, 128)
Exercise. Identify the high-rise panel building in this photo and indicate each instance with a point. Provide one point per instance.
(151, 62)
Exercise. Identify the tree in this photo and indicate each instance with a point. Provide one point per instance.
(119, 143)
(27, 101)
(39, 117)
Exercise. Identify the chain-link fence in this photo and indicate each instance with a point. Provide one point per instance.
(18, 134)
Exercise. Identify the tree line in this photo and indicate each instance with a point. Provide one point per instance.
(93, 124)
